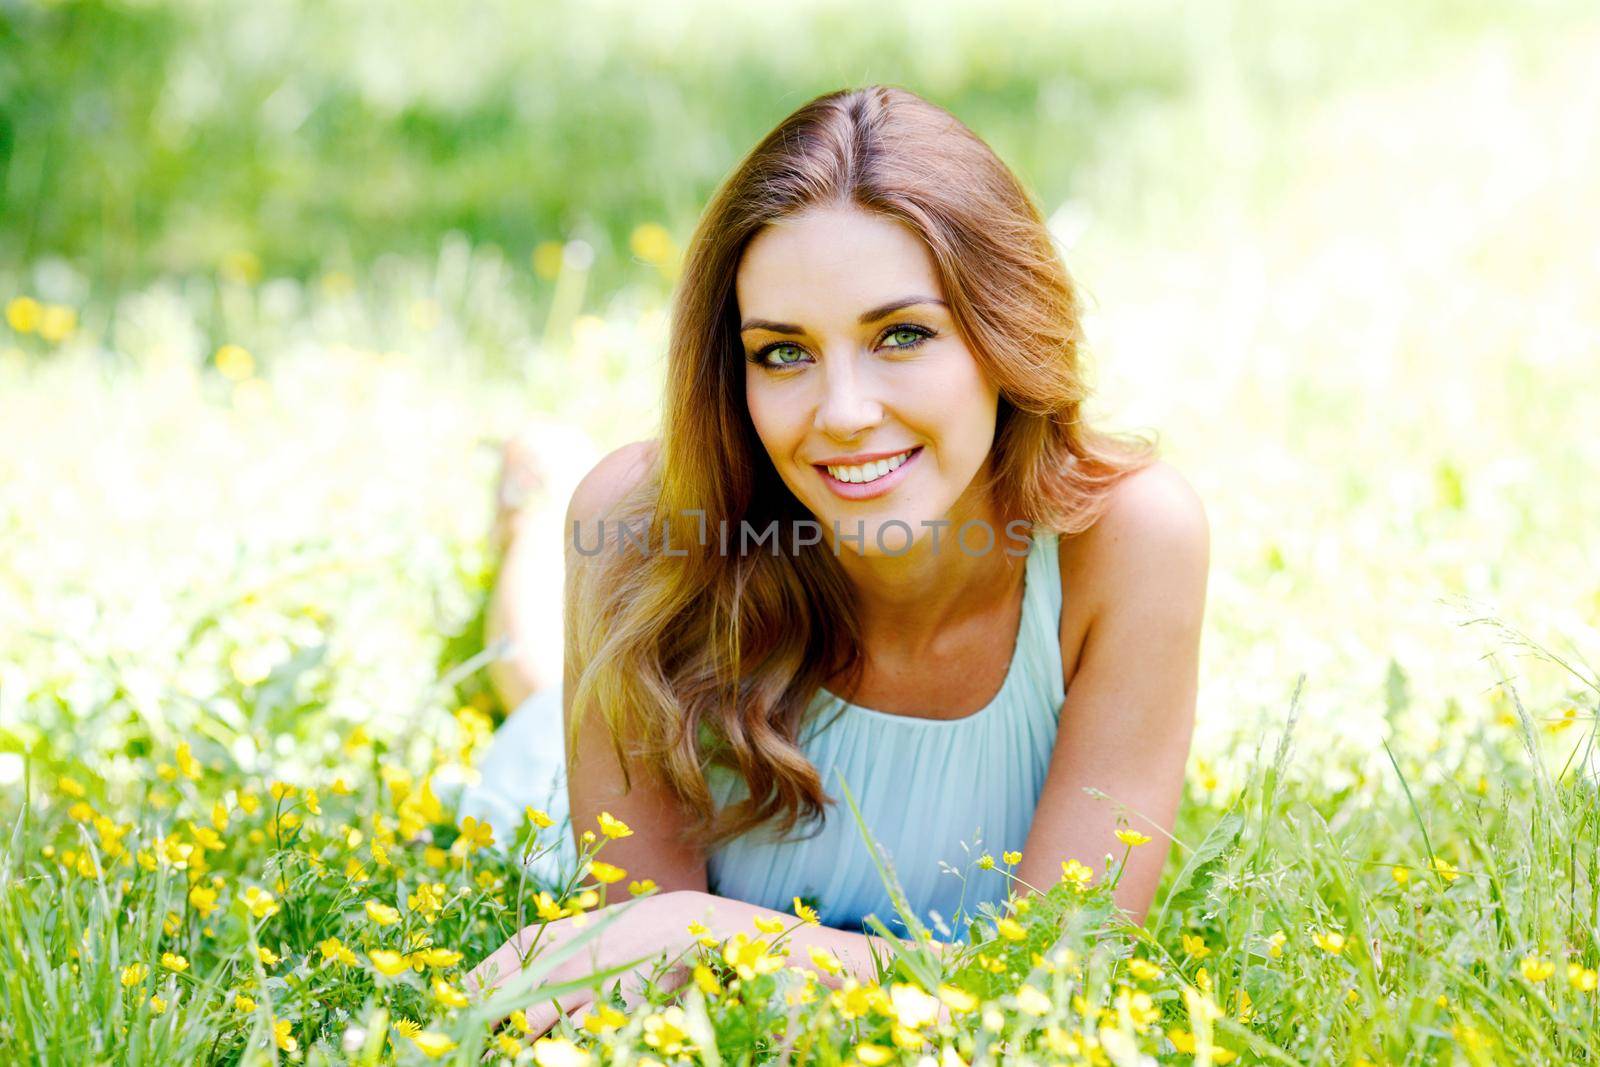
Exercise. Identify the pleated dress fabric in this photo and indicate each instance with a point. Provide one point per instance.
(935, 794)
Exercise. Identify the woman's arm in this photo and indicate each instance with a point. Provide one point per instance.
(1126, 724)
(856, 952)
(595, 778)
(657, 929)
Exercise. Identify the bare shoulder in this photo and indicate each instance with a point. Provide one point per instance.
(1154, 536)
(610, 479)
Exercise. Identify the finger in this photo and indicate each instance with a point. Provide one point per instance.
(543, 1016)
(503, 964)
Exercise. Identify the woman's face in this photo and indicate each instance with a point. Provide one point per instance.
(868, 402)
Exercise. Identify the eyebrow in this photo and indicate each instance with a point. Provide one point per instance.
(866, 318)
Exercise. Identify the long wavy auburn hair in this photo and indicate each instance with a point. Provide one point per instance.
(712, 660)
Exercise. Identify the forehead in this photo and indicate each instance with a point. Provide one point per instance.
(832, 257)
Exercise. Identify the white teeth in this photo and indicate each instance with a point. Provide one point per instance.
(869, 472)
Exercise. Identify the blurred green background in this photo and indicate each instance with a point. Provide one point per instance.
(145, 139)
(279, 277)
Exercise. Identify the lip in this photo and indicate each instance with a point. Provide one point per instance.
(869, 490)
(858, 458)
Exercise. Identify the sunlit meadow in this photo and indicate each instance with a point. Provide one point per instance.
(244, 568)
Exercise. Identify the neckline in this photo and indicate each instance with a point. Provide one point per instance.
(1028, 580)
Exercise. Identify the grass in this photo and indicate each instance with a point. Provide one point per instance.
(1372, 352)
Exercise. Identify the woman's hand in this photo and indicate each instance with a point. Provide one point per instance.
(653, 926)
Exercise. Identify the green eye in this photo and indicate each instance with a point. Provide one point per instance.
(909, 336)
(779, 348)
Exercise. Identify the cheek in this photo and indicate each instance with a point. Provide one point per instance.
(962, 404)
(768, 415)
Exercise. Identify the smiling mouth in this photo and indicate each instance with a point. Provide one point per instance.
(867, 473)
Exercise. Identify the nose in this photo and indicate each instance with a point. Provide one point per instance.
(847, 408)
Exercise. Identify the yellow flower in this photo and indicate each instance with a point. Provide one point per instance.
(1275, 943)
(243, 1005)
(1076, 873)
(538, 818)
(173, 962)
(282, 1037)
(475, 834)
(873, 1055)
(957, 999)
(559, 1052)
(428, 899)
(268, 957)
(389, 963)
(1139, 1007)
(509, 1046)
(172, 924)
(1032, 1001)
(334, 951)
(1185, 1042)
(667, 1030)
(234, 362)
(206, 837)
(825, 960)
(437, 957)
(57, 322)
(806, 913)
(1132, 838)
(22, 314)
(134, 973)
(313, 805)
(986, 862)
(604, 1017)
(652, 242)
(157, 1005)
(448, 995)
(605, 872)
(613, 827)
(1011, 858)
(750, 958)
(912, 1007)
(407, 1028)
(639, 889)
(768, 926)
(1400, 875)
(545, 907)
(519, 1019)
(1011, 930)
(1195, 947)
(1329, 941)
(432, 1043)
(706, 980)
(382, 914)
(187, 763)
(1144, 970)
(262, 904)
(1445, 870)
(1535, 969)
(1583, 979)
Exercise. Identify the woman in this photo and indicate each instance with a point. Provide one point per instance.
(873, 333)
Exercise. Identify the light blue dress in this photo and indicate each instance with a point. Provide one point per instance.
(935, 793)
